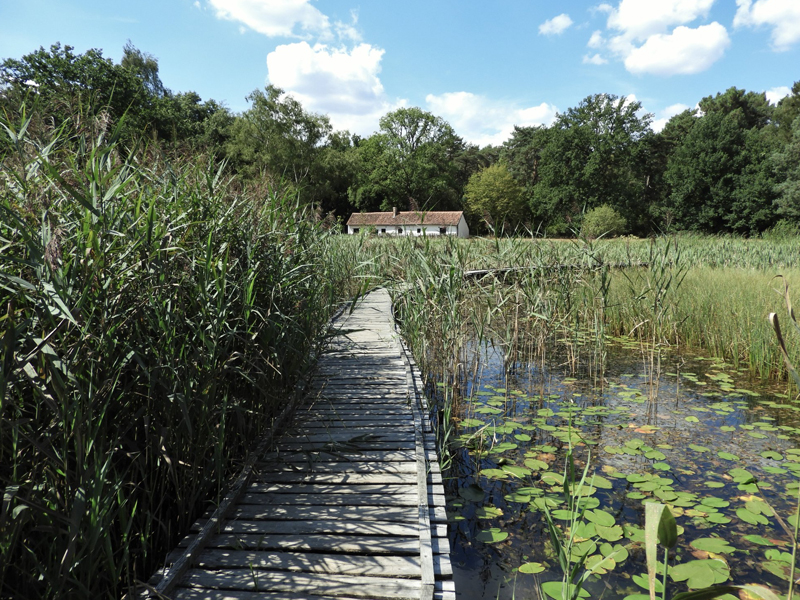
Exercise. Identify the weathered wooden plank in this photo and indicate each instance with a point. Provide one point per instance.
(332, 499)
(308, 512)
(317, 526)
(324, 488)
(209, 594)
(343, 456)
(376, 566)
(351, 437)
(370, 476)
(390, 445)
(376, 588)
(352, 544)
(338, 467)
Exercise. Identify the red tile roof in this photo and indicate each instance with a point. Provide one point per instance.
(407, 218)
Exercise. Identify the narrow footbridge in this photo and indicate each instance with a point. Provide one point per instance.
(347, 504)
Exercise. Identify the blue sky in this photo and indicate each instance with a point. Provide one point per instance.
(482, 66)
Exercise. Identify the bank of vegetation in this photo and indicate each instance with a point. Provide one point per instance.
(729, 166)
(167, 269)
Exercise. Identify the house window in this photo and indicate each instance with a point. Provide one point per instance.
(442, 230)
(383, 230)
(419, 230)
(355, 229)
(399, 230)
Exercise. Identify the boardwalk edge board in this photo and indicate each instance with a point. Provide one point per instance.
(346, 504)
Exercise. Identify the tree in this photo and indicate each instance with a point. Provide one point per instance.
(592, 156)
(409, 164)
(493, 200)
(522, 153)
(787, 163)
(720, 176)
(74, 86)
(277, 137)
(145, 67)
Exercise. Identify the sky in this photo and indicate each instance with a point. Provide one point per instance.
(483, 66)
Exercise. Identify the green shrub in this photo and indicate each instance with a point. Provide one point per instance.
(603, 221)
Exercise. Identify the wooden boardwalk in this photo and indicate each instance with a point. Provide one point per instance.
(348, 504)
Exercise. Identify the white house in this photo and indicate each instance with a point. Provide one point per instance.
(410, 222)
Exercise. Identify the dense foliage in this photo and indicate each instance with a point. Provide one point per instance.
(156, 318)
(729, 166)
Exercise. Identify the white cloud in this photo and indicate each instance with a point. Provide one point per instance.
(685, 51)
(596, 41)
(639, 19)
(342, 83)
(275, 18)
(655, 37)
(594, 59)
(782, 15)
(665, 115)
(483, 121)
(777, 93)
(556, 25)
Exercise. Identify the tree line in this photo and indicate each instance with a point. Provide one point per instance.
(731, 165)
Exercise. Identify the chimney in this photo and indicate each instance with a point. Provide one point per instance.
(394, 212)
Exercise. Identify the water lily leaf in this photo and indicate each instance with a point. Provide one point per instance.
(727, 456)
(692, 420)
(472, 423)
(599, 517)
(491, 536)
(701, 573)
(610, 534)
(759, 507)
(536, 465)
(712, 544)
(661, 466)
(759, 539)
(619, 552)
(517, 471)
(553, 478)
(488, 512)
(488, 410)
(600, 564)
(584, 531)
(532, 568)
(563, 515)
(750, 517)
(655, 455)
(494, 473)
(601, 482)
(715, 484)
(517, 497)
(555, 590)
(717, 519)
(715, 502)
(696, 447)
(771, 454)
(523, 437)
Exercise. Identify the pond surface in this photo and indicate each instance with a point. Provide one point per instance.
(720, 450)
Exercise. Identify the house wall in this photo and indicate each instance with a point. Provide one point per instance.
(460, 230)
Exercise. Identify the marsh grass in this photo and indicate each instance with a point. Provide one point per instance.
(155, 318)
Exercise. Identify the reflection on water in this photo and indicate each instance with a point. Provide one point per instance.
(695, 437)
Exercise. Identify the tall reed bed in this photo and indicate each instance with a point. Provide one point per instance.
(155, 319)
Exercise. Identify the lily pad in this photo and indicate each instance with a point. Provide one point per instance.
(701, 573)
(712, 544)
(491, 536)
(532, 568)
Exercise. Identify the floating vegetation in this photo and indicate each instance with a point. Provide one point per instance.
(716, 453)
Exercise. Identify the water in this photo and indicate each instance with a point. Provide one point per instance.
(694, 434)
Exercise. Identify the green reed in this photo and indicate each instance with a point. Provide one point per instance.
(155, 319)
